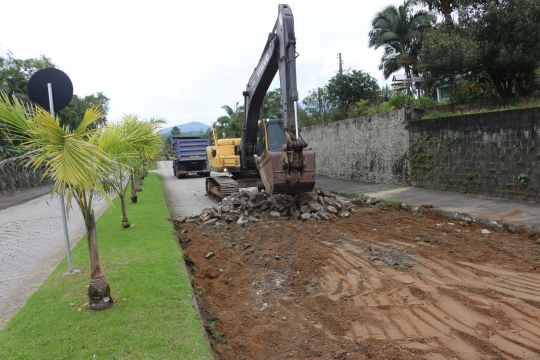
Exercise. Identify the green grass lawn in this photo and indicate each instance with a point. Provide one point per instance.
(154, 316)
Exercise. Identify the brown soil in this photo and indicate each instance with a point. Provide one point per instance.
(383, 284)
(508, 215)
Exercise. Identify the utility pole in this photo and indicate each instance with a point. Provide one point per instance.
(340, 64)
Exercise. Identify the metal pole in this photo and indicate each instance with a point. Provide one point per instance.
(64, 220)
(296, 118)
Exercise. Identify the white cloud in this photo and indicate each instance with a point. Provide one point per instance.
(204, 51)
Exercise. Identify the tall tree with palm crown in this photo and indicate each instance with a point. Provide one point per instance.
(399, 31)
(231, 124)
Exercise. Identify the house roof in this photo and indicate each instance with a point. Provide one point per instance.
(399, 77)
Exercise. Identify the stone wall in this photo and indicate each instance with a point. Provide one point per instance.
(369, 148)
(480, 154)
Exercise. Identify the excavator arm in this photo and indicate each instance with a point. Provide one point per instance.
(292, 169)
(279, 54)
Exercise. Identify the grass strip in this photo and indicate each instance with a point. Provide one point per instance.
(439, 114)
(154, 316)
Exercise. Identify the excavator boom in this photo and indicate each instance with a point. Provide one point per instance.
(280, 163)
(291, 169)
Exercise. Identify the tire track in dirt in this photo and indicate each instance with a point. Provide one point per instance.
(409, 289)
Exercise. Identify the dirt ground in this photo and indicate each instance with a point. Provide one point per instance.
(382, 284)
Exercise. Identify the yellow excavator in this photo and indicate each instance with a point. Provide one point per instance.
(271, 154)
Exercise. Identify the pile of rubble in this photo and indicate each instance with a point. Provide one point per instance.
(254, 206)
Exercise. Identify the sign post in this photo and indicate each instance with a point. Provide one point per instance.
(62, 204)
(64, 94)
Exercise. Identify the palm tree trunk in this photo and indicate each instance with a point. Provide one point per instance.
(99, 291)
(138, 182)
(133, 190)
(125, 221)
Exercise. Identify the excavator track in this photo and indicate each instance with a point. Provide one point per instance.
(219, 187)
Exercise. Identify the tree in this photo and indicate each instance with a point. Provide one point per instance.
(77, 164)
(231, 124)
(508, 39)
(127, 156)
(70, 115)
(175, 131)
(349, 87)
(16, 73)
(206, 134)
(386, 93)
(399, 31)
(444, 7)
(272, 106)
(318, 105)
(447, 51)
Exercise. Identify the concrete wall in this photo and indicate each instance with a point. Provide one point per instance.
(487, 157)
(369, 148)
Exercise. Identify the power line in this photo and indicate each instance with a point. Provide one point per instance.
(208, 117)
(153, 65)
(7, 52)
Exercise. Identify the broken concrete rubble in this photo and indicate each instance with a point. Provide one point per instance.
(254, 206)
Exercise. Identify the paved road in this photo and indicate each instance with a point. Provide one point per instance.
(23, 196)
(184, 196)
(31, 246)
(506, 210)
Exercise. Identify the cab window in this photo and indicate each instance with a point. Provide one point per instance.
(276, 137)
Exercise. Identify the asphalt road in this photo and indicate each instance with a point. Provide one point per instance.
(184, 196)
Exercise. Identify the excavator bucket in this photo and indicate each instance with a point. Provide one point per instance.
(280, 175)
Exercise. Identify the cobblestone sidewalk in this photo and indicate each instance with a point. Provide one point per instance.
(31, 246)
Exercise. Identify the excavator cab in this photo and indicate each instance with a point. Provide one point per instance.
(284, 165)
(271, 135)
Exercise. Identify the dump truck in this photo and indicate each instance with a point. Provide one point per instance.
(190, 156)
(270, 154)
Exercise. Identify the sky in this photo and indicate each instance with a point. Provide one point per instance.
(184, 60)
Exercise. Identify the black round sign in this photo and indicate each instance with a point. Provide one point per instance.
(62, 88)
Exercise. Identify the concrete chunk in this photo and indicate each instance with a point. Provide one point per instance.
(306, 216)
(325, 192)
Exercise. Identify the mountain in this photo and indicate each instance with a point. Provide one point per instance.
(190, 128)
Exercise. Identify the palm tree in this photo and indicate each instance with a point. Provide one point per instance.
(127, 156)
(399, 31)
(231, 124)
(272, 107)
(386, 93)
(79, 167)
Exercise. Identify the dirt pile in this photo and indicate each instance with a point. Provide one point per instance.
(254, 206)
(381, 284)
